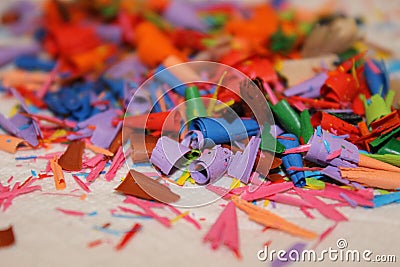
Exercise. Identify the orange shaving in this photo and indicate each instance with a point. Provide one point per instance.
(257, 29)
(153, 46)
(368, 162)
(99, 150)
(91, 60)
(10, 143)
(58, 174)
(269, 219)
(184, 73)
(372, 178)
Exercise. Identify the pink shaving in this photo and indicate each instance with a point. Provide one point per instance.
(90, 163)
(299, 105)
(50, 155)
(9, 180)
(71, 212)
(46, 86)
(334, 154)
(270, 93)
(223, 192)
(117, 162)
(96, 171)
(266, 190)
(325, 234)
(127, 210)
(361, 197)
(373, 67)
(254, 178)
(299, 149)
(48, 167)
(7, 194)
(288, 200)
(81, 183)
(225, 230)
(304, 169)
(326, 210)
(61, 194)
(146, 207)
(306, 212)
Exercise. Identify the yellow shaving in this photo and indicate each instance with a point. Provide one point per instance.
(235, 183)
(184, 177)
(58, 133)
(222, 106)
(353, 72)
(14, 110)
(211, 105)
(180, 216)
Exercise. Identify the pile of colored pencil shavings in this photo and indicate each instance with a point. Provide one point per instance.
(335, 138)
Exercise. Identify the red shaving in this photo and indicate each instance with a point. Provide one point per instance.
(128, 236)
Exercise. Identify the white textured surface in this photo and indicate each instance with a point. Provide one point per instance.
(46, 237)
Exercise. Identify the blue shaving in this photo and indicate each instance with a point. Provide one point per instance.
(319, 131)
(130, 216)
(26, 158)
(327, 146)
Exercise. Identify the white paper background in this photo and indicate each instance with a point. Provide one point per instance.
(46, 237)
